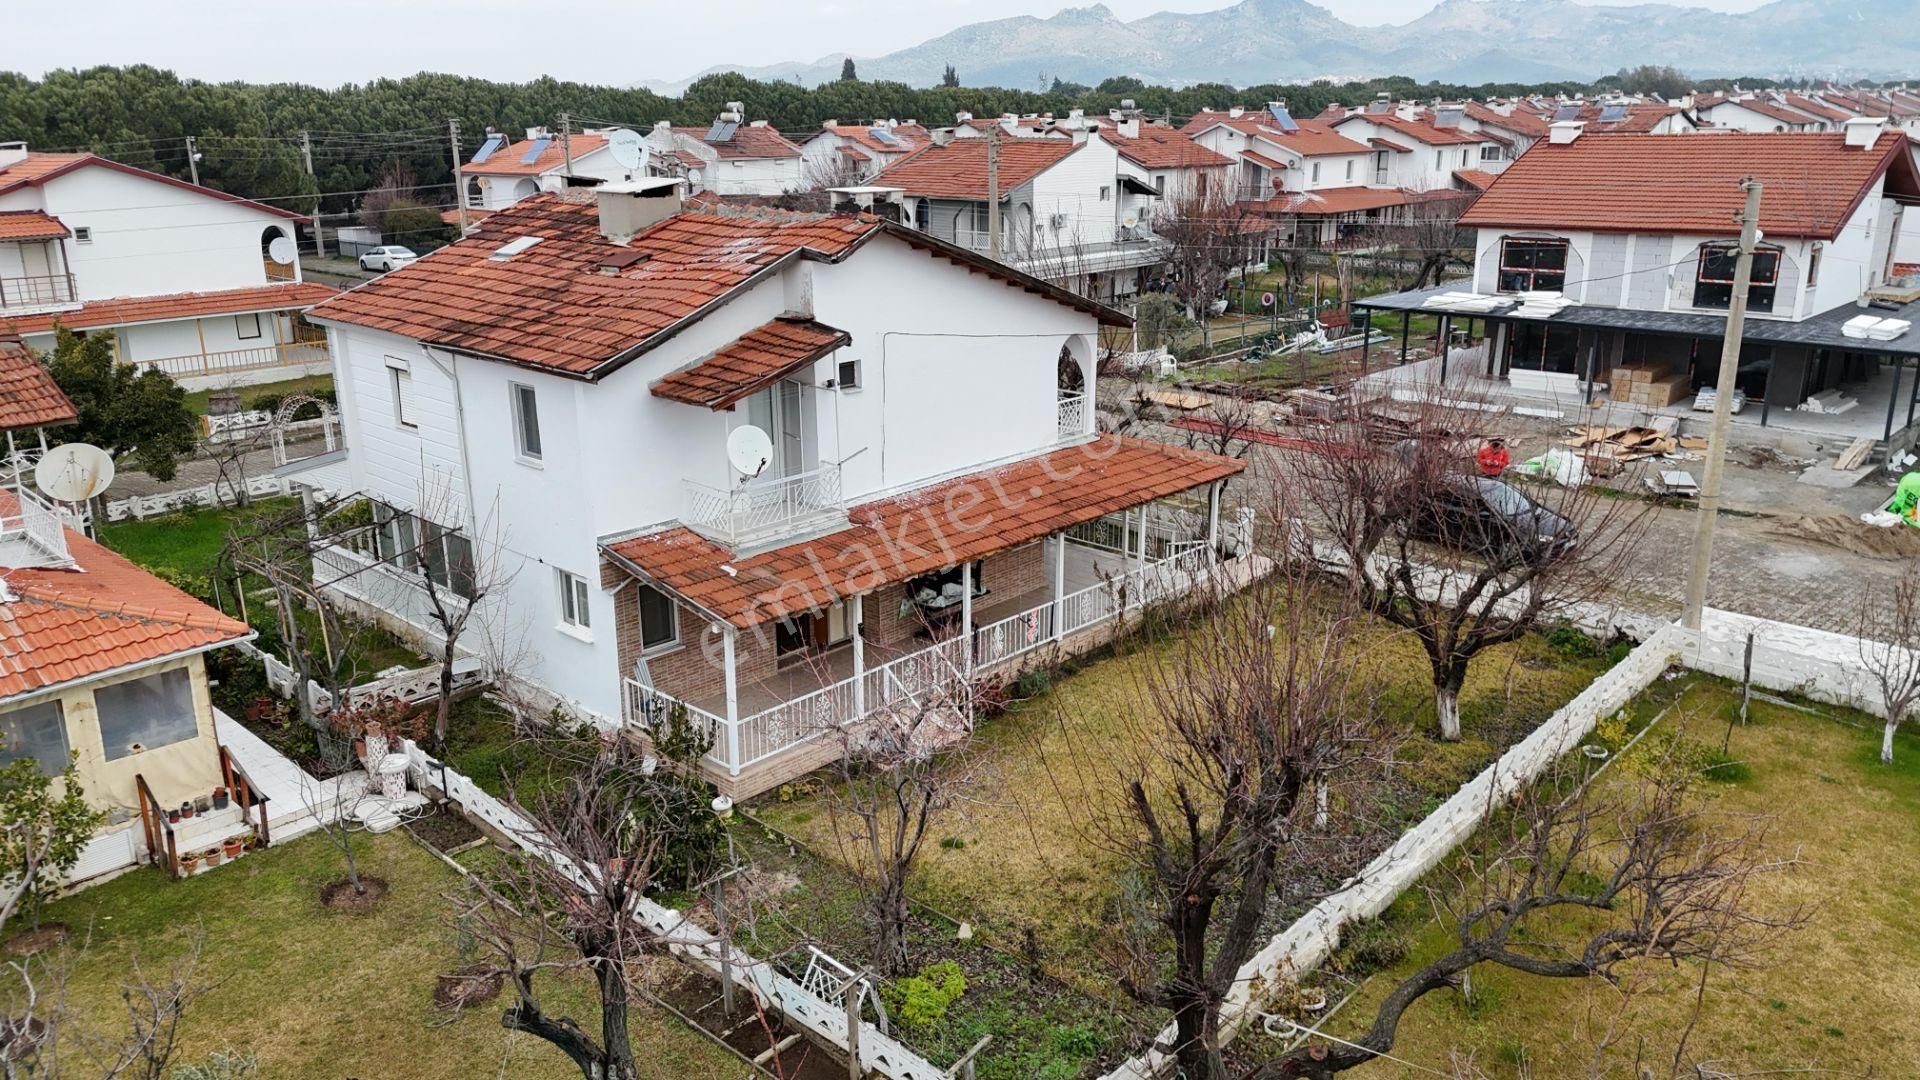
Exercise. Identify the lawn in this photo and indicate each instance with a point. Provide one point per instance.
(1837, 996)
(306, 384)
(321, 995)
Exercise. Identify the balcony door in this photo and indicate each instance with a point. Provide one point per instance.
(784, 411)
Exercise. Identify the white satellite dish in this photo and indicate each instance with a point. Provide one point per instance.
(281, 250)
(749, 450)
(75, 472)
(629, 150)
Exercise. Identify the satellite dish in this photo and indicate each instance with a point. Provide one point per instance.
(281, 250)
(749, 450)
(629, 150)
(75, 472)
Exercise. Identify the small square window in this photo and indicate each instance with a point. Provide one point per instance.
(402, 387)
(573, 600)
(83, 234)
(247, 326)
(848, 374)
(1106, 192)
(526, 421)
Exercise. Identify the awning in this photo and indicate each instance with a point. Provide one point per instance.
(751, 363)
(1137, 186)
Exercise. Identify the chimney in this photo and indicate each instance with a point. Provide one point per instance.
(962, 117)
(886, 202)
(1863, 131)
(1236, 112)
(941, 136)
(12, 153)
(1128, 128)
(829, 124)
(1565, 131)
(627, 208)
(537, 133)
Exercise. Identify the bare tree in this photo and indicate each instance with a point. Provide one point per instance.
(1214, 790)
(1889, 634)
(476, 571)
(1427, 233)
(1461, 561)
(1668, 883)
(1208, 238)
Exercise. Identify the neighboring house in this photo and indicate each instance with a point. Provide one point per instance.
(1418, 154)
(1635, 234)
(583, 369)
(1770, 111)
(732, 156)
(104, 664)
(846, 154)
(1177, 168)
(198, 283)
(503, 172)
(1069, 213)
(1277, 153)
(1512, 130)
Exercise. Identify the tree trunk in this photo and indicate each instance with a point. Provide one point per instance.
(614, 1040)
(1194, 1015)
(890, 947)
(443, 710)
(1886, 743)
(1446, 702)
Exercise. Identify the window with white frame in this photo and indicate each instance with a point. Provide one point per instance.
(1106, 192)
(847, 374)
(659, 621)
(83, 234)
(412, 543)
(1527, 264)
(1439, 159)
(573, 600)
(38, 732)
(1316, 172)
(400, 386)
(246, 326)
(1349, 172)
(1463, 158)
(147, 713)
(1490, 152)
(526, 421)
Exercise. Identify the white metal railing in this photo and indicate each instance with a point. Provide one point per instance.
(941, 668)
(763, 509)
(38, 290)
(292, 354)
(34, 530)
(1073, 415)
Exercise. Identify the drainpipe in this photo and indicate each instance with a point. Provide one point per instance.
(733, 701)
(452, 371)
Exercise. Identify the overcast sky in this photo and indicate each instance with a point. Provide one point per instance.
(597, 41)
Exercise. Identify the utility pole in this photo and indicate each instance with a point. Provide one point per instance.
(1722, 408)
(306, 160)
(459, 176)
(566, 140)
(193, 161)
(306, 151)
(993, 189)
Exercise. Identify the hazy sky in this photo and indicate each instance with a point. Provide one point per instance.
(598, 41)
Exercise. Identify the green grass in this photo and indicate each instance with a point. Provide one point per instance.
(306, 384)
(187, 543)
(321, 995)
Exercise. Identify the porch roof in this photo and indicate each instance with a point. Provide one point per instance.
(1821, 331)
(29, 397)
(127, 310)
(896, 539)
(750, 363)
(31, 225)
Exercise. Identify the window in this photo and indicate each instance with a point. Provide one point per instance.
(247, 326)
(659, 626)
(38, 732)
(1106, 192)
(923, 214)
(1316, 172)
(1439, 159)
(1463, 159)
(145, 714)
(1813, 267)
(1527, 265)
(848, 374)
(1713, 285)
(1489, 152)
(1160, 184)
(526, 421)
(573, 600)
(1380, 167)
(400, 380)
(1349, 171)
(83, 234)
(412, 543)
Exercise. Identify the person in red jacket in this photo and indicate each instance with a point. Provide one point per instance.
(1493, 457)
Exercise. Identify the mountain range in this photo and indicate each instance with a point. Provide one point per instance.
(1459, 41)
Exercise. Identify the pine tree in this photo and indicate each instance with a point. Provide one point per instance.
(847, 74)
(950, 77)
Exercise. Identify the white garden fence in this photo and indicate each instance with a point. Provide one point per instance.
(141, 507)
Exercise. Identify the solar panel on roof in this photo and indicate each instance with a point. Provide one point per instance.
(885, 136)
(1283, 119)
(1448, 118)
(722, 131)
(1613, 113)
(533, 152)
(1566, 112)
(493, 143)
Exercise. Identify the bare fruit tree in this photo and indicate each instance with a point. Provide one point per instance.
(1590, 878)
(1889, 634)
(1461, 561)
(1209, 236)
(1213, 792)
(464, 569)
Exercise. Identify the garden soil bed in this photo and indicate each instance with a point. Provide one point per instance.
(444, 831)
(469, 986)
(43, 937)
(340, 895)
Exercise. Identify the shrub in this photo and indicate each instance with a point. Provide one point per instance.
(1373, 945)
(1032, 683)
(1570, 641)
(1078, 1040)
(920, 1000)
(1724, 767)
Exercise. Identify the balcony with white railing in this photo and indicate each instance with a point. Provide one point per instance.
(1075, 413)
(33, 534)
(762, 510)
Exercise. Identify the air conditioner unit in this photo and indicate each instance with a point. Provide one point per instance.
(1059, 221)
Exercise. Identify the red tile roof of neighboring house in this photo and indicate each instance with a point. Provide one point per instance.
(1309, 138)
(750, 363)
(1388, 144)
(1520, 123)
(452, 217)
(125, 310)
(30, 225)
(894, 540)
(1661, 184)
(1817, 108)
(37, 169)
(506, 161)
(29, 397)
(1640, 119)
(914, 136)
(1343, 200)
(958, 170)
(748, 142)
(552, 308)
(1477, 179)
(64, 625)
(1417, 130)
(1771, 111)
(1163, 149)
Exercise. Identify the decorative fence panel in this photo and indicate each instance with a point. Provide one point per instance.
(140, 507)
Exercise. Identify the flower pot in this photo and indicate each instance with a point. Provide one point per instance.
(189, 864)
(212, 856)
(203, 804)
(232, 847)
(173, 817)
(186, 811)
(220, 798)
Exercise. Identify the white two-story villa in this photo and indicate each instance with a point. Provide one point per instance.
(770, 466)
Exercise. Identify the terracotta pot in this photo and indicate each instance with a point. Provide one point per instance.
(173, 817)
(212, 856)
(189, 864)
(233, 846)
(186, 810)
(220, 798)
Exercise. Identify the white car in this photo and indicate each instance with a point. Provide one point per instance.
(387, 258)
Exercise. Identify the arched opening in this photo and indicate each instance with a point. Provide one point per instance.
(278, 253)
(476, 194)
(525, 188)
(1072, 376)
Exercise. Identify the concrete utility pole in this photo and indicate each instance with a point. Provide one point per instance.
(1722, 408)
(193, 161)
(566, 140)
(306, 159)
(306, 151)
(459, 175)
(993, 189)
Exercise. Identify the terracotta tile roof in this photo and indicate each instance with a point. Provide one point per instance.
(1310, 138)
(1817, 108)
(752, 362)
(506, 160)
(37, 169)
(30, 225)
(941, 525)
(1477, 179)
(1663, 184)
(959, 169)
(747, 142)
(914, 136)
(452, 217)
(551, 307)
(122, 311)
(1388, 144)
(1344, 200)
(28, 395)
(1520, 123)
(65, 625)
(1417, 130)
(1163, 149)
(1640, 119)
(1771, 111)
(1262, 160)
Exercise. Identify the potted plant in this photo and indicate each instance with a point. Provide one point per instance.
(173, 817)
(232, 846)
(220, 798)
(186, 810)
(203, 804)
(212, 855)
(189, 863)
